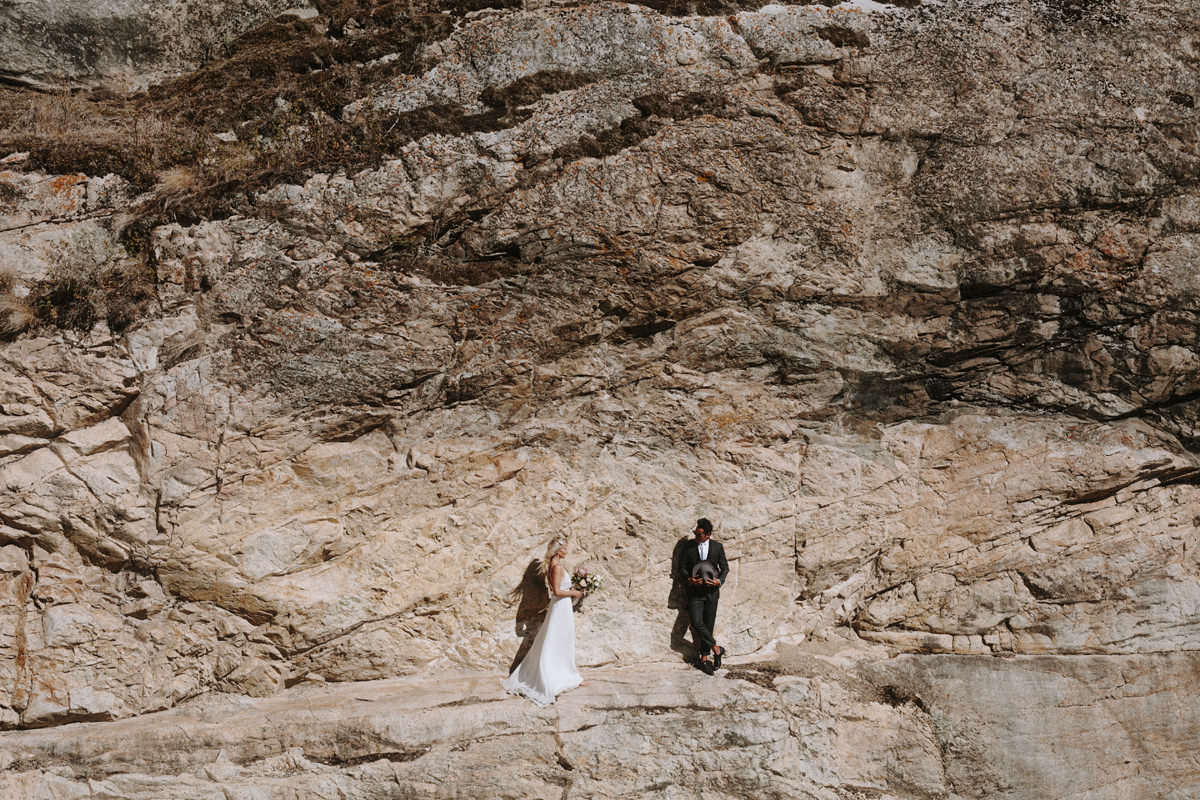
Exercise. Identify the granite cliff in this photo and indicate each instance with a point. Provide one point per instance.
(311, 343)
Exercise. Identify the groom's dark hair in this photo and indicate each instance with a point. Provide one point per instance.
(705, 524)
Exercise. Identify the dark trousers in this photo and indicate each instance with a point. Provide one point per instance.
(702, 611)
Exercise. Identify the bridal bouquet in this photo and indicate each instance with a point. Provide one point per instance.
(585, 582)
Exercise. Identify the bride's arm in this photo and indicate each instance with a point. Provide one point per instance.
(556, 579)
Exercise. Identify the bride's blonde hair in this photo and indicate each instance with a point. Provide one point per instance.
(552, 547)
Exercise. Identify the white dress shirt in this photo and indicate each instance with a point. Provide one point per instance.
(703, 548)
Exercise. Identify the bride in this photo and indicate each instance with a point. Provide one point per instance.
(549, 667)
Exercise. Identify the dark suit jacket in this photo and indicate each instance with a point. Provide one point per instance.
(690, 557)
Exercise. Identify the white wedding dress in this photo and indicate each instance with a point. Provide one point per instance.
(549, 667)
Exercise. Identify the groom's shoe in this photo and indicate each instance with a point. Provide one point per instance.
(706, 665)
(718, 651)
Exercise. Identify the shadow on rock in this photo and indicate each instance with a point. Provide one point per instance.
(532, 597)
(677, 600)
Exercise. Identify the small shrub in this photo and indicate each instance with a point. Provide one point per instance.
(65, 303)
(126, 293)
(120, 295)
(9, 194)
(91, 279)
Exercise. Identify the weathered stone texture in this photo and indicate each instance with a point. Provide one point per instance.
(50, 43)
(905, 299)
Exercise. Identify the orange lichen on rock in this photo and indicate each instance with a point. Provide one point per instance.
(64, 188)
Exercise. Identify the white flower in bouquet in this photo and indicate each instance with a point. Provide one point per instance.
(585, 581)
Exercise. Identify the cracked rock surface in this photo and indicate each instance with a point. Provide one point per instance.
(828, 720)
(51, 44)
(905, 299)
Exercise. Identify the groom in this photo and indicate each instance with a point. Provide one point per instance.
(704, 590)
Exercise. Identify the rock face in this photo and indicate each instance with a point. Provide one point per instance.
(52, 43)
(830, 721)
(904, 299)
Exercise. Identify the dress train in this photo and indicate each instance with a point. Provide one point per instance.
(548, 669)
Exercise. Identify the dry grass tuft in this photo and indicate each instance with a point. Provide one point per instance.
(16, 316)
(176, 180)
(59, 115)
(70, 133)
